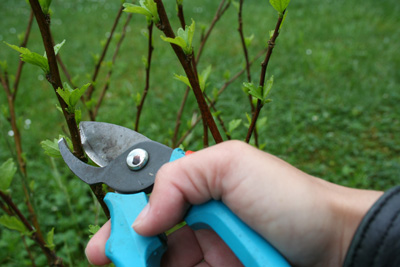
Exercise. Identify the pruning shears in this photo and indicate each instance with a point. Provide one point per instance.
(128, 163)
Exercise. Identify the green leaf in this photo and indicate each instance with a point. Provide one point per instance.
(204, 77)
(45, 4)
(7, 172)
(147, 8)
(184, 38)
(183, 79)
(12, 223)
(77, 93)
(236, 5)
(31, 57)
(248, 40)
(283, 20)
(138, 99)
(279, 5)
(78, 116)
(253, 90)
(268, 86)
(71, 96)
(50, 239)
(93, 229)
(179, 41)
(233, 124)
(51, 147)
(57, 47)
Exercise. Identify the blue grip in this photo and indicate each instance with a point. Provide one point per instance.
(250, 248)
(125, 247)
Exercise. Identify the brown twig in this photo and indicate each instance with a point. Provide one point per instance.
(220, 91)
(264, 65)
(54, 78)
(165, 26)
(11, 96)
(65, 70)
(51, 256)
(246, 57)
(21, 63)
(147, 83)
(91, 88)
(218, 14)
(181, 16)
(107, 83)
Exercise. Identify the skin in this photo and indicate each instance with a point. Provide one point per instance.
(310, 221)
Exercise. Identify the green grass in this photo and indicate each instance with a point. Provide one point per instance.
(335, 110)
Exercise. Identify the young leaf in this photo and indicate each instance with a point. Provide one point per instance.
(57, 47)
(50, 239)
(71, 96)
(31, 57)
(45, 4)
(204, 77)
(7, 172)
(51, 147)
(268, 87)
(183, 79)
(147, 8)
(248, 40)
(78, 116)
(253, 90)
(184, 38)
(233, 124)
(179, 41)
(279, 5)
(12, 223)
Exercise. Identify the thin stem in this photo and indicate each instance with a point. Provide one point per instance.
(147, 83)
(218, 14)
(54, 77)
(179, 116)
(246, 57)
(91, 88)
(65, 70)
(165, 26)
(264, 66)
(220, 91)
(21, 63)
(181, 16)
(51, 256)
(33, 264)
(114, 58)
(55, 80)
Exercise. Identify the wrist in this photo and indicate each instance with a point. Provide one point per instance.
(349, 207)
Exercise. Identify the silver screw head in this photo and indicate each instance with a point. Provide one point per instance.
(137, 159)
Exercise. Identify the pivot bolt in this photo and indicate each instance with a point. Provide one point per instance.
(137, 159)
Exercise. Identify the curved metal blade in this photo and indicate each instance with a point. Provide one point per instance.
(104, 142)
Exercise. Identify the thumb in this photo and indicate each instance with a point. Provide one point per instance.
(194, 179)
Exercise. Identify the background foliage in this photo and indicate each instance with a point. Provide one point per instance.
(335, 110)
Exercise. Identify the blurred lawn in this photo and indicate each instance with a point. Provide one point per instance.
(335, 110)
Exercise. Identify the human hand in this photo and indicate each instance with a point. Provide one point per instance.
(310, 221)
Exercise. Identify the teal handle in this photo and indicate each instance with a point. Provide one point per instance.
(125, 247)
(250, 248)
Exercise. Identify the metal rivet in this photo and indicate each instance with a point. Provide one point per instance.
(137, 159)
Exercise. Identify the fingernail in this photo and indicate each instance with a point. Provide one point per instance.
(141, 216)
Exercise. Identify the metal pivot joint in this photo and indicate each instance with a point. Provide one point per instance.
(117, 174)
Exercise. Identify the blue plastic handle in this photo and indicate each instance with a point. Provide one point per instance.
(126, 248)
